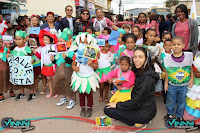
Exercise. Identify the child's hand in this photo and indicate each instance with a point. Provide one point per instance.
(76, 69)
(8, 45)
(64, 56)
(34, 51)
(119, 87)
(89, 62)
(7, 55)
(112, 50)
(166, 87)
(190, 84)
(32, 61)
(98, 54)
(52, 57)
(119, 82)
(110, 80)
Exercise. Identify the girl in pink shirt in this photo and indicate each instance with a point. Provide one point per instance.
(154, 23)
(142, 19)
(123, 78)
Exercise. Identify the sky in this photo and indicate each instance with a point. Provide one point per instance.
(130, 4)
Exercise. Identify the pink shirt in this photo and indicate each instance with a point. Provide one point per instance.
(155, 25)
(108, 21)
(145, 26)
(129, 76)
(182, 30)
(126, 51)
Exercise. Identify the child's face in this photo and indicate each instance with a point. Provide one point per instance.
(130, 43)
(151, 36)
(46, 40)
(61, 40)
(167, 36)
(106, 48)
(136, 32)
(127, 30)
(124, 65)
(177, 45)
(89, 31)
(167, 46)
(19, 40)
(105, 32)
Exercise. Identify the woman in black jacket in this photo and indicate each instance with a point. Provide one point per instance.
(80, 26)
(142, 106)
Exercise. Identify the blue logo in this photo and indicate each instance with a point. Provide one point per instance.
(25, 125)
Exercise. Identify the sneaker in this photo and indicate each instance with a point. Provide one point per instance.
(70, 104)
(167, 117)
(19, 97)
(12, 94)
(61, 102)
(1, 98)
(89, 112)
(31, 97)
(138, 128)
(83, 112)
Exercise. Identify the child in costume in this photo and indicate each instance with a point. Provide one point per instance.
(70, 34)
(90, 30)
(125, 79)
(5, 85)
(104, 63)
(178, 77)
(136, 31)
(62, 80)
(84, 78)
(22, 50)
(192, 108)
(48, 68)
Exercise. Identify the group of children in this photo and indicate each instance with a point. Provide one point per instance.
(65, 75)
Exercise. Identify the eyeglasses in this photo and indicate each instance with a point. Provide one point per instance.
(85, 13)
(69, 10)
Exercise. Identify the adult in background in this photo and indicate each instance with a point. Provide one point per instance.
(50, 23)
(167, 26)
(100, 22)
(161, 20)
(58, 20)
(21, 24)
(154, 22)
(14, 17)
(186, 28)
(142, 106)
(142, 21)
(68, 21)
(3, 25)
(83, 23)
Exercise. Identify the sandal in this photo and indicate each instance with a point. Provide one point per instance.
(55, 96)
(42, 92)
(100, 100)
(106, 100)
(49, 95)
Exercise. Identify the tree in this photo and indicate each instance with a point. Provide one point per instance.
(170, 3)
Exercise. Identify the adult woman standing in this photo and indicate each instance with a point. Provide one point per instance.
(142, 21)
(21, 24)
(142, 106)
(83, 23)
(186, 28)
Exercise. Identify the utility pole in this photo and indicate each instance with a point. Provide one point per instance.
(86, 3)
(120, 4)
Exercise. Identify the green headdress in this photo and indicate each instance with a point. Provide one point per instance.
(122, 30)
(0, 36)
(20, 33)
(68, 31)
(63, 35)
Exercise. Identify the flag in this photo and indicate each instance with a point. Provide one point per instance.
(193, 12)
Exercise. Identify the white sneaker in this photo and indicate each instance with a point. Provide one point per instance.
(71, 104)
(61, 102)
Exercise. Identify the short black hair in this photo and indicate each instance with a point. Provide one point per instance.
(129, 35)
(51, 39)
(126, 58)
(167, 33)
(68, 6)
(108, 29)
(90, 27)
(183, 8)
(168, 40)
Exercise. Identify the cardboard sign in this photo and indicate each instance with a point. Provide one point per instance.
(35, 30)
(61, 48)
(32, 42)
(113, 37)
(51, 49)
(100, 41)
(79, 55)
(21, 70)
(7, 39)
(90, 52)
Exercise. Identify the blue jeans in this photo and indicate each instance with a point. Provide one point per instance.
(176, 94)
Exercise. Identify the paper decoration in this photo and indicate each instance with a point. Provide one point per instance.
(100, 41)
(51, 49)
(113, 37)
(61, 48)
(90, 52)
(7, 39)
(21, 70)
(35, 30)
(79, 54)
(32, 42)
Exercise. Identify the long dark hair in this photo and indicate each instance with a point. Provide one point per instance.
(183, 8)
(85, 10)
(162, 18)
(20, 19)
(147, 65)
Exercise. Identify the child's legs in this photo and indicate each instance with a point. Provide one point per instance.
(22, 90)
(44, 81)
(36, 80)
(82, 99)
(181, 100)
(164, 94)
(106, 86)
(89, 100)
(101, 89)
(50, 83)
(171, 99)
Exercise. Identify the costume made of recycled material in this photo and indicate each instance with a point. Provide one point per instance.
(5, 85)
(62, 77)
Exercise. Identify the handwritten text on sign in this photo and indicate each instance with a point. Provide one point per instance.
(21, 70)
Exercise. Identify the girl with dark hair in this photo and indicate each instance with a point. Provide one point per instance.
(161, 20)
(186, 28)
(154, 22)
(141, 108)
(21, 24)
(142, 21)
(84, 22)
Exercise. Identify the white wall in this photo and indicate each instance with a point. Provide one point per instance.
(39, 7)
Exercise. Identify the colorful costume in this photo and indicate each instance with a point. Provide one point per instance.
(104, 63)
(192, 108)
(124, 94)
(48, 68)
